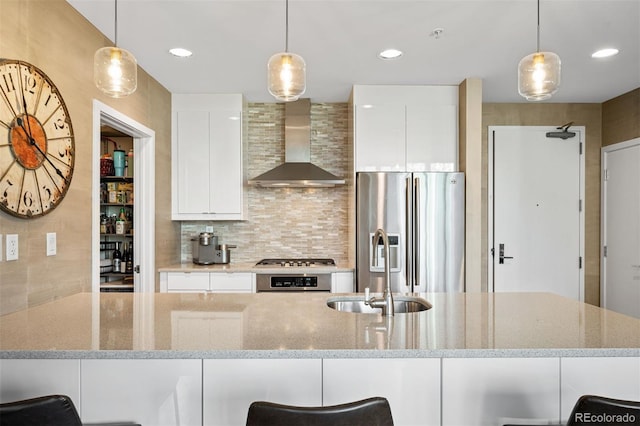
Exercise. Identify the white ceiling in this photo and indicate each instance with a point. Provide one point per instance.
(232, 41)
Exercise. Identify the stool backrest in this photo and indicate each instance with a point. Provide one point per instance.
(592, 410)
(55, 410)
(367, 412)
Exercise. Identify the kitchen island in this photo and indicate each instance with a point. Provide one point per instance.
(539, 350)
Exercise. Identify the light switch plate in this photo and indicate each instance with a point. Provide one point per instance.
(12, 246)
(51, 244)
(1, 256)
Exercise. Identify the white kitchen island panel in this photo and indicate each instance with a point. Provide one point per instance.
(159, 392)
(489, 392)
(412, 386)
(231, 385)
(30, 378)
(610, 377)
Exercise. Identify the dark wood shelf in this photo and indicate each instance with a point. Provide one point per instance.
(115, 275)
(116, 178)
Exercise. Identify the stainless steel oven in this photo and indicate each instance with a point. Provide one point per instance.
(293, 282)
(293, 275)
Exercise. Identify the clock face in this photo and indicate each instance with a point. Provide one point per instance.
(37, 148)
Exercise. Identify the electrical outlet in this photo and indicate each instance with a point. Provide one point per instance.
(12, 246)
(208, 228)
(51, 243)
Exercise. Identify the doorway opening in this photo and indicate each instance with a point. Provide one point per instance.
(143, 215)
(620, 228)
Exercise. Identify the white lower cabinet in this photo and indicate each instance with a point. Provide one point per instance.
(497, 391)
(30, 378)
(231, 385)
(610, 377)
(155, 392)
(342, 282)
(412, 386)
(236, 282)
(217, 282)
(429, 391)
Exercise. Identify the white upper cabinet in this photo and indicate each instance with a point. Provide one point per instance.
(207, 157)
(379, 131)
(405, 128)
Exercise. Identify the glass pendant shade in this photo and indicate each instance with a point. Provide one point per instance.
(287, 76)
(539, 76)
(115, 71)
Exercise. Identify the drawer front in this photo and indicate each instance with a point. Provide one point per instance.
(238, 282)
(187, 281)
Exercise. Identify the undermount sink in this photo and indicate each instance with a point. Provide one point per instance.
(355, 304)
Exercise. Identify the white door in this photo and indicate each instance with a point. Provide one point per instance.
(620, 289)
(535, 217)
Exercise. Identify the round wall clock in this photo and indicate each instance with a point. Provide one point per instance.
(37, 152)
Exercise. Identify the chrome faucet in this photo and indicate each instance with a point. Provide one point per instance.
(386, 301)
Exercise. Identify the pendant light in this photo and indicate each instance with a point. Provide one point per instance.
(287, 71)
(115, 70)
(539, 73)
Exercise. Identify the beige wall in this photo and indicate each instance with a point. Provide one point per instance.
(470, 162)
(290, 222)
(51, 35)
(621, 118)
(548, 114)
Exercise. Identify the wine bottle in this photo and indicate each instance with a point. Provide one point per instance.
(129, 263)
(123, 262)
(117, 258)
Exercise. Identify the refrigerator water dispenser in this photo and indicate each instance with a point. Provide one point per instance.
(394, 263)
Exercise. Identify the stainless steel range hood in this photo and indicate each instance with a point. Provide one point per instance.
(297, 170)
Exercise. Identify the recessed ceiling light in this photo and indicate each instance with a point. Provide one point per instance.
(180, 52)
(390, 54)
(604, 53)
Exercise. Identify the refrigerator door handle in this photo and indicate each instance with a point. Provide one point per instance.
(416, 234)
(408, 271)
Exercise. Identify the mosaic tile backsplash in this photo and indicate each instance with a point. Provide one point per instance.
(289, 222)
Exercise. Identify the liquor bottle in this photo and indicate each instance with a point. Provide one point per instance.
(117, 258)
(121, 223)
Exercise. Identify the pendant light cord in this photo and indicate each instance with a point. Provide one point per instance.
(538, 40)
(286, 26)
(115, 20)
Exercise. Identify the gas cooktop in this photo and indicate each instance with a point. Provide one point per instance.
(297, 262)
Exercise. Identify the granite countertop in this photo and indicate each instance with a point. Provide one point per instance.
(300, 325)
(251, 267)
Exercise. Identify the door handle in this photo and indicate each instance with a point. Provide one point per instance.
(501, 256)
(416, 231)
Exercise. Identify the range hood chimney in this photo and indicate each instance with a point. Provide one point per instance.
(297, 170)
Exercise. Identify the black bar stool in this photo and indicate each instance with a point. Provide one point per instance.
(55, 410)
(367, 412)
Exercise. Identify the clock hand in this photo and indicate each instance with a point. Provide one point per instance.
(24, 105)
(32, 141)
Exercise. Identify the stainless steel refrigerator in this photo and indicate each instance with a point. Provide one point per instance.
(423, 215)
